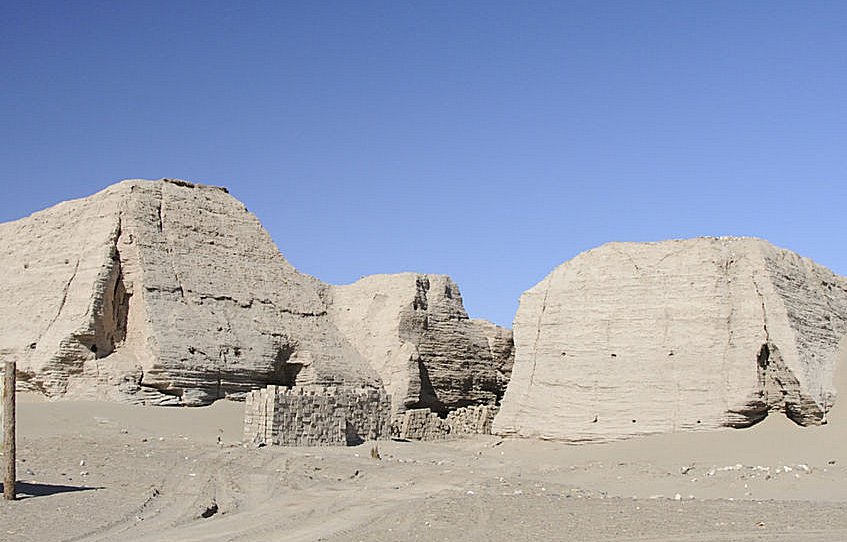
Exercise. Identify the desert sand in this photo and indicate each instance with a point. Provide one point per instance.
(104, 471)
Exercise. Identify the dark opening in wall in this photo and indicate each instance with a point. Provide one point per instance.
(764, 356)
(284, 372)
(110, 324)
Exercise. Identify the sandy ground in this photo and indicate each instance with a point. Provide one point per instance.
(100, 471)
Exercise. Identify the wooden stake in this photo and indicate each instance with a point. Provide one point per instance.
(9, 431)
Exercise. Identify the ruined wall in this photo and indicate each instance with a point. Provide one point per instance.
(474, 420)
(638, 338)
(167, 292)
(424, 424)
(416, 334)
(316, 415)
(162, 292)
(419, 424)
(341, 415)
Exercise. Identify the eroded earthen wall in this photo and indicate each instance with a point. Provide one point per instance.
(687, 335)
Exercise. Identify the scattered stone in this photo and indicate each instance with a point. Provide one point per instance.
(210, 510)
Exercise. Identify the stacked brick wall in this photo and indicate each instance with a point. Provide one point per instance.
(423, 424)
(419, 424)
(472, 420)
(316, 415)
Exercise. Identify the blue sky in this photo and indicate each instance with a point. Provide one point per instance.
(487, 140)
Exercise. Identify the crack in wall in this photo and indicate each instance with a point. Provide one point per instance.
(626, 256)
(161, 225)
(62, 302)
(728, 261)
(303, 314)
(764, 310)
(537, 338)
(249, 303)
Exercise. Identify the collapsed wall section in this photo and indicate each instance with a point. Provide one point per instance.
(414, 331)
(424, 424)
(814, 305)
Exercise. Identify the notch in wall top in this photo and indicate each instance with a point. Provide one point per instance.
(188, 184)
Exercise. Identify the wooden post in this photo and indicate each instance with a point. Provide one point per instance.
(9, 431)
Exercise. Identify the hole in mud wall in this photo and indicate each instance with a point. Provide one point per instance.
(352, 435)
(428, 397)
(289, 374)
(121, 309)
(285, 373)
(793, 413)
(763, 359)
(111, 325)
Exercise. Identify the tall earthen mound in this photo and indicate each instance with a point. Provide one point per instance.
(632, 338)
(417, 335)
(163, 292)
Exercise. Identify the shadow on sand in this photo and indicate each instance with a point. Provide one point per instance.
(27, 490)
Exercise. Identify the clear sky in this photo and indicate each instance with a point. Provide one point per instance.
(488, 140)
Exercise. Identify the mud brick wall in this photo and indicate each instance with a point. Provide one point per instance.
(316, 415)
(419, 424)
(423, 424)
(259, 408)
(472, 420)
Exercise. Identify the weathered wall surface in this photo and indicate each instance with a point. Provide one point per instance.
(424, 424)
(417, 336)
(472, 420)
(316, 415)
(343, 415)
(419, 424)
(696, 334)
(162, 292)
(167, 292)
